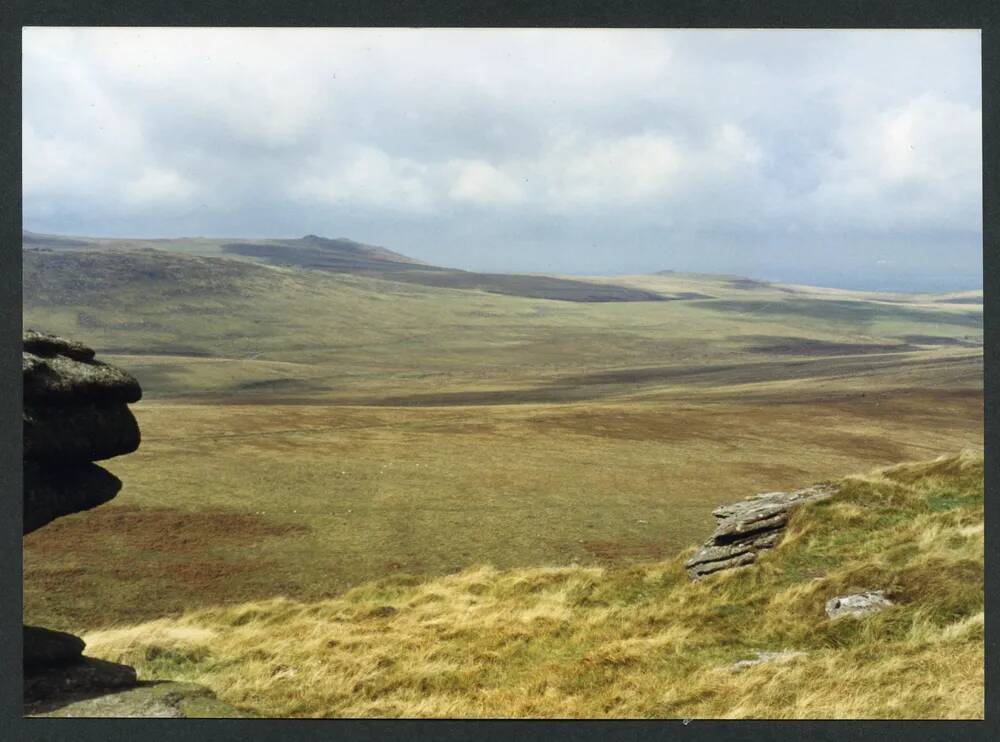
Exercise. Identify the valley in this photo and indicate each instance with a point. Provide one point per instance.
(309, 428)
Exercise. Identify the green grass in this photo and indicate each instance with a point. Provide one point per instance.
(304, 432)
(345, 449)
(230, 503)
(197, 326)
(640, 641)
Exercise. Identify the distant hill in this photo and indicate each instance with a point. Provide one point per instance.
(346, 256)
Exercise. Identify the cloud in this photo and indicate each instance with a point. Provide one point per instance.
(593, 150)
(368, 177)
(480, 182)
(914, 165)
(160, 187)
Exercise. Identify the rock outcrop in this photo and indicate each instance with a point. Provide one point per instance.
(75, 413)
(149, 699)
(749, 526)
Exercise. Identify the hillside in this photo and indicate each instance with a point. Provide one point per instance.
(341, 428)
(343, 256)
(642, 641)
(331, 445)
(195, 326)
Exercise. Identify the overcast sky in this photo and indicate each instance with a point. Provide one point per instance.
(837, 158)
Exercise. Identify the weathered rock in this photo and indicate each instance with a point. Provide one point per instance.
(857, 604)
(45, 647)
(51, 492)
(42, 344)
(717, 557)
(75, 412)
(79, 433)
(749, 526)
(60, 380)
(87, 676)
(156, 699)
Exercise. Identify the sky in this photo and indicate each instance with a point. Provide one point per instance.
(839, 158)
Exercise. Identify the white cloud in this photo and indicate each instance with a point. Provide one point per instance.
(623, 169)
(370, 178)
(480, 182)
(916, 165)
(381, 133)
(158, 185)
(929, 140)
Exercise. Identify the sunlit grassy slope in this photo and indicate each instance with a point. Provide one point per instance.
(633, 642)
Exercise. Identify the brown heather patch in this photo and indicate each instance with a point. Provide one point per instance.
(167, 531)
(612, 551)
(145, 562)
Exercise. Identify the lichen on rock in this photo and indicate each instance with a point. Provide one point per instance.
(749, 526)
(75, 412)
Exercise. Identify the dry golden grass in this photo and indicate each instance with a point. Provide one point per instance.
(641, 641)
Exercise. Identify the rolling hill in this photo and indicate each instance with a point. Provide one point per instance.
(345, 256)
(205, 325)
(333, 432)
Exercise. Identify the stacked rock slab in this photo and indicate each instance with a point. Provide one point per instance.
(75, 413)
(749, 526)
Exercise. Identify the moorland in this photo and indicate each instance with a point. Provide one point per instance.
(331, 428)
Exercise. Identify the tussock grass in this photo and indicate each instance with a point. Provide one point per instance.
(640, 641)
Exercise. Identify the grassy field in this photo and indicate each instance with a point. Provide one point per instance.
(218, 330)
(638, 642)
(240, 502)
(307, 432)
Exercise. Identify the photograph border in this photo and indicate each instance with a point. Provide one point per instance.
(449, 13)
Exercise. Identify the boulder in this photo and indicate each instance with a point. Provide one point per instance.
(51, 492)
(60, 379)
(86, 676)
(79, 433)
(75, 412)
(42, 344)
(47, 647)
(749, 526)
(857, 604)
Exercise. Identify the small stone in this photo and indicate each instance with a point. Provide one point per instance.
(857, 604)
